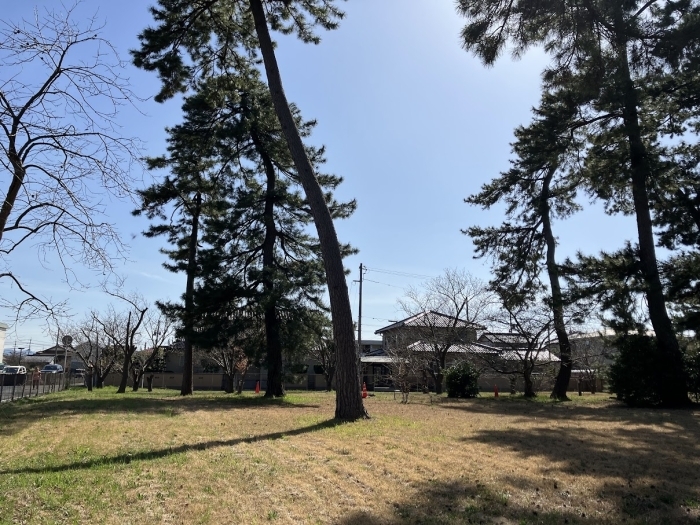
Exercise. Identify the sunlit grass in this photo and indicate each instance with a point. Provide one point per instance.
(99, 457)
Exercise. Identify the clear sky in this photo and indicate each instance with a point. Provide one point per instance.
(411, 121)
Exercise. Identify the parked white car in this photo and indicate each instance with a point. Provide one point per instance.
(14, 375)
(14, 370)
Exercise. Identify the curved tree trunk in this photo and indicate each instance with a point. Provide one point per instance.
(675, 391)
(125, 374)
(564, 376)
(15, 185)
(349, 405)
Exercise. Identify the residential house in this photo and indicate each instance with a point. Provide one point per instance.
(421, 333)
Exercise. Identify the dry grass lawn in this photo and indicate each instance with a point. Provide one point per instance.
(80, 457)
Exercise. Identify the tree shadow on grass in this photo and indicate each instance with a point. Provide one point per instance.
(17, 416)
(646, 461)
(458, 502)
(525, 411)
(148, 455)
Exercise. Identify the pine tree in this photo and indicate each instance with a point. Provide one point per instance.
(216, 34)
(193, 190)
(540, 186)
(616, 49)
(261, 248)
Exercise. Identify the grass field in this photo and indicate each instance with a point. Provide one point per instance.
(79, 457)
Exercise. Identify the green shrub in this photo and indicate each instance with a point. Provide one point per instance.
(692, 367)
(461, 380)
(636, 376)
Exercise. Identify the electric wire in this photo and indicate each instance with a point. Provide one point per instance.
(399, 273)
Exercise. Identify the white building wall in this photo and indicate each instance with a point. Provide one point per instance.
(3, 332)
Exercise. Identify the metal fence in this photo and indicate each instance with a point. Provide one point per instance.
(17, 386)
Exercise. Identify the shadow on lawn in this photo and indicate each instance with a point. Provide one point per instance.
(123, 459)
(21, 414)
(647, 459)
(615, 412)
(460, 502)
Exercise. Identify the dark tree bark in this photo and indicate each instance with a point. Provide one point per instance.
(126, 361)
(675, 392)
(275, 385)
(529, 385)
(564, 376)
(135, 376)
(349, 404)
(188, 372)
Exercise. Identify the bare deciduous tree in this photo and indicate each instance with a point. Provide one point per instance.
(521, 336)
(60, 148)
(156, 329)
(323, 351)
(406, 365)
(453, 305)
(122, 331)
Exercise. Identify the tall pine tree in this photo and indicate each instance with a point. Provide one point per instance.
(261, 248)
(230, 32)
(617, 48)
(193, 190)
(540, 186)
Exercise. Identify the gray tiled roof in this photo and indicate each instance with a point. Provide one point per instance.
(431, 319)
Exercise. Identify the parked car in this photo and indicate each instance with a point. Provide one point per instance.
(52, 369)
(2, 367)
(14, 375)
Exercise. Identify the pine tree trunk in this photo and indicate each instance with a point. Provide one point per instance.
(564, 376)
(675, 392)
(275, 385)
(187, 388)
(349, 405)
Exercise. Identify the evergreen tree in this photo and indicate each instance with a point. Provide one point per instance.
(260, 249)
(193, 190)
(216, 32)
(618, 51)
(540, 186)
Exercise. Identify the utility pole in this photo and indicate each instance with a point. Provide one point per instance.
(359, 314)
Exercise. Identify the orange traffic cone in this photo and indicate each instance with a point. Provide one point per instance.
(257, 387)
(364, 390)
(495, 390)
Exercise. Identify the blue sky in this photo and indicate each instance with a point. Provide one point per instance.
(411, 121)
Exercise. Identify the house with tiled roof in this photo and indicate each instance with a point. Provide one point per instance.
(430, 333)
(429, 325)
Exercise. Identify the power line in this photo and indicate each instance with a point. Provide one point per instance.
(385, 284)
(400, 274)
